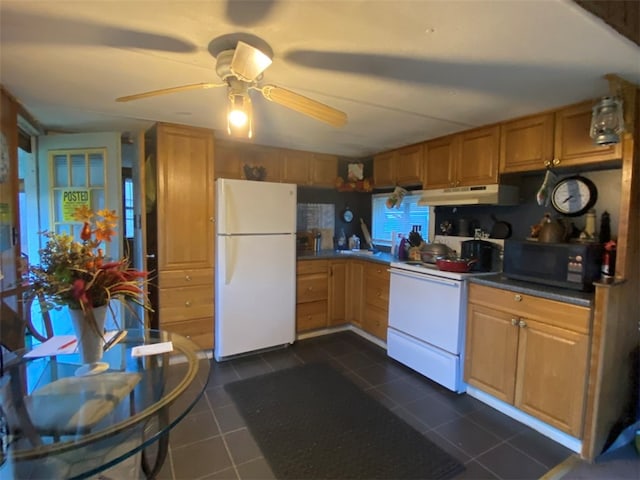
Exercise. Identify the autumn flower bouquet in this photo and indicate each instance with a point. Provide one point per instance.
(77, 274)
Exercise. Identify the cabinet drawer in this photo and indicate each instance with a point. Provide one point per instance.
(560, 314)
(377, 292)
(177, 304)
(185, 278)
(375, 321)
(312, 266)
(199, 330)
(311, 288)
(377, 270)
(311, 315)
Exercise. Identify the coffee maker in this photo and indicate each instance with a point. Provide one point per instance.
(484, 252)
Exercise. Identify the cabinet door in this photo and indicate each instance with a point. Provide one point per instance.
(228, 161)
(409, 165)
(270, 159)
(296, 167)
(375, 321)
(185, 198)
(526, 144)
(384, 174)
(438, 162)
(491, 351)
(337, 292)
(479, 157)
(355, 292)
(551, 376)
(324, 171)
(573, 145)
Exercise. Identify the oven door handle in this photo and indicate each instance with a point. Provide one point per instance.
(426, 277)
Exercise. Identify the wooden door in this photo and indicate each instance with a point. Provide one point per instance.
(296, 167)
(479, 157)
(438, 162)
(491, 351)
(337, 292)
(185, 198)
(384, 170)
(573, 145)
(526, 144)
(409, 165)
(324, 170)
(551, 375)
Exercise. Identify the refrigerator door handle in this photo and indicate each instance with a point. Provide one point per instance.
(229, 258)
(229, 204)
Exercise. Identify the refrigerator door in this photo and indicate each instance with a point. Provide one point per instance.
(255, 293)
(248, 207)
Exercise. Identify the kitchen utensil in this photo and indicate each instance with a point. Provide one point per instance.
(500, 228)
(554, 231)
(480, 250)
(459, 265)
(430, 252)
(366, 234)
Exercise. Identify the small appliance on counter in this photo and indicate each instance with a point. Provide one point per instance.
(567, 265)
(485, 253)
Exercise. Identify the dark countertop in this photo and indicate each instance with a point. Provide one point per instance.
(583, 299)
(379, 257)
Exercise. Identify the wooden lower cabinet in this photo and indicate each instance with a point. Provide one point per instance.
(355, 292)
(337, 292)
(520, 350)
(312, 295)
(376, 299)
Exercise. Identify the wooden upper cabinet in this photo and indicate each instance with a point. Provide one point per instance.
(324, 170)
(439, 162)
(479, 157)
(185, 198)
(526, 144)
(228, 161)
(383, 169)
(409, 165)
(573, 145)
(269, 158)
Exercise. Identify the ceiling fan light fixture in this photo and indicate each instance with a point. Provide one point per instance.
(240, 115)
(248, 62)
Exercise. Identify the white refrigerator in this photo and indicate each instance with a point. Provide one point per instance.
(255, 279)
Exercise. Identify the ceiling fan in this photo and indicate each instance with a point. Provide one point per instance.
(240, 70)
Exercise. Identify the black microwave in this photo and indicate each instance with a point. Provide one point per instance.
(568, 265)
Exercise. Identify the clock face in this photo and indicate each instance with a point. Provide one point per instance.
(347, 215)
(573, 196)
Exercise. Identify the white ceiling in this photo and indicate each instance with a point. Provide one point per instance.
(403, 71)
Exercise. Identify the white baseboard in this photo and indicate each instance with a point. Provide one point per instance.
(572, 443)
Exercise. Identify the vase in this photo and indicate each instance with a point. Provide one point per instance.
(90, 339)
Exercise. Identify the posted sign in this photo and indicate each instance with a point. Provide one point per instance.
(73, 198)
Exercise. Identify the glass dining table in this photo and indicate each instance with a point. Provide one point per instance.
(55, 423)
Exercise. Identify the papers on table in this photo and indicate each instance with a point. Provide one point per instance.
(152, 349)
(64, 344)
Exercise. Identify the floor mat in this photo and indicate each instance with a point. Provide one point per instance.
(312, 422)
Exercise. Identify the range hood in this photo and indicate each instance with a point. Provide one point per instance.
(477, 195)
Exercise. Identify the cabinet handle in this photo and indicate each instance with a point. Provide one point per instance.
(514, 322)
(187, 278)
(517, 298)
(309, 289)
(552, 163)
(522, 324)
(187, 303)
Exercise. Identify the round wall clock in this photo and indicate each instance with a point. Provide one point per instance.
(347, 215)
(574, 196)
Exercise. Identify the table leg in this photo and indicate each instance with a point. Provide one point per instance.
(152, 470)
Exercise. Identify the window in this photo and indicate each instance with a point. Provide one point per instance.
(386, 221)
(128, 208)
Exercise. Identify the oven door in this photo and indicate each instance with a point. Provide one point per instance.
(428, 308)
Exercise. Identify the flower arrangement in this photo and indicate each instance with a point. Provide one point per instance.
(77, 274)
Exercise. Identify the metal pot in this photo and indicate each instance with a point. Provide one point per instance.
(555, 231)
(430, 252)
(459, 265)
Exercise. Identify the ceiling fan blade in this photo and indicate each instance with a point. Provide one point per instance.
(248, 62)
(304, 105)
(164, 91)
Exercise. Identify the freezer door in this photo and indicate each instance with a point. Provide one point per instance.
(255, 293)
(248, 207)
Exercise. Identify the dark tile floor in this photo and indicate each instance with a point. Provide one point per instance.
(212, 442)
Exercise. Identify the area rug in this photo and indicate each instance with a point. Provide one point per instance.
(311, 422)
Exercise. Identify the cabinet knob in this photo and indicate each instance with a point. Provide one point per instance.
(187, 303)
(552, 163)
(514, 322)
(522, 324)
(309, 289)
(187, 278)
(517, 298)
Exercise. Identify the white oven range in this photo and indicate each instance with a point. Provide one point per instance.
(427, 321)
